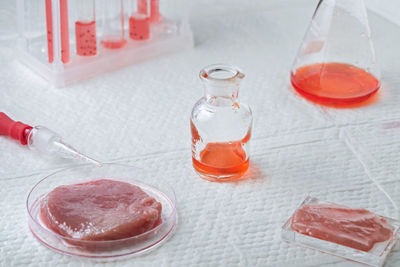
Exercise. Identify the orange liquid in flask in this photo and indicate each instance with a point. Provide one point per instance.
(334, 83)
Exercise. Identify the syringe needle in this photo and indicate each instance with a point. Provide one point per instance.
(67, 151)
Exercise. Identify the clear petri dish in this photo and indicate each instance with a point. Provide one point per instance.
(151, 184)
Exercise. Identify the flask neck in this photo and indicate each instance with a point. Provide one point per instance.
(221, 82)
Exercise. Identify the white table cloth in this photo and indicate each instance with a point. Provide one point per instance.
(140, 115)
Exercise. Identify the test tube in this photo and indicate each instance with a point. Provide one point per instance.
(85, 29)
(49, 29)
(64, 31)
(155, 15)
(142, 6)
(113, 31)
(139, 21)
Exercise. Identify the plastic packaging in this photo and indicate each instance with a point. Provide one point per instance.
(221, 126)
(336, 61)
(374, 256)
(65, 41)
(151, 184)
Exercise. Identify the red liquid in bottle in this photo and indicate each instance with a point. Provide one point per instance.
(139, 27)
(222, 161)
(86, 38)
(334, 83)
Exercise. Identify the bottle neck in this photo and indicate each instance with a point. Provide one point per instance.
(227, 93)
(221, 82)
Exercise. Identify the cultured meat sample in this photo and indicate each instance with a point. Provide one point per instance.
(355, 228)
(100, 210)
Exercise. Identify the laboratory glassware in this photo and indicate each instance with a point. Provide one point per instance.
(85, 29)
(221, 126)
(336, 61)
(113, 25)
(152, 184)
(40, 139)
(362, 224)
(45, 46)
(155, 15)
(139, 20)
(53, 22)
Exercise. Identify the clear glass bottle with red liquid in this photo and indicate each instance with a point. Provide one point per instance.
(221, 126)
(85, 29)
(336, 63)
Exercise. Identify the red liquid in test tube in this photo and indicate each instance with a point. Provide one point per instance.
(64, 31)
(85, 29)
(86, 38)
(142, 7)
(113, 25)
(49, 25)
(113, 42)
(155, 15)
(139, 27)
(65, 56)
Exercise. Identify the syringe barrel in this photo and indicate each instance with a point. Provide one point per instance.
(42, 139)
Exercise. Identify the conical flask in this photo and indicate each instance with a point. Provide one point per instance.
(336, 61)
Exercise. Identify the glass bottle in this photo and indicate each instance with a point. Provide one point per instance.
(221, 126)
(336, 62)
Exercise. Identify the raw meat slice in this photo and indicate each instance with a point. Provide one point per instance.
(100, 210)
(355, 228)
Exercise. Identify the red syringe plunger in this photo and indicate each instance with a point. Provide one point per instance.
(14, 129)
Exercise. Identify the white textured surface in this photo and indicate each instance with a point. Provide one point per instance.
(140, 115)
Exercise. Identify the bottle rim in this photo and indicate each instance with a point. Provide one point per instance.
(221, 73)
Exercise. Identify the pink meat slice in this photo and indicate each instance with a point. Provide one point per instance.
(100, 210)
(355, 228)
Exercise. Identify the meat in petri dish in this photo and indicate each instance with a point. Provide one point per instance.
(355, 228)
(100, 210)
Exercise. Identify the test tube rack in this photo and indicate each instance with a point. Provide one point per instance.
(171, 34)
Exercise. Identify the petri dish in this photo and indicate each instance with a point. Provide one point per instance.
(374, 257)
(154, 186)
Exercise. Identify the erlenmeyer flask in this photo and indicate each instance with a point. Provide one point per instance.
(336, 60)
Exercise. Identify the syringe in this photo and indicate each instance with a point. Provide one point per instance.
(41, 139)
